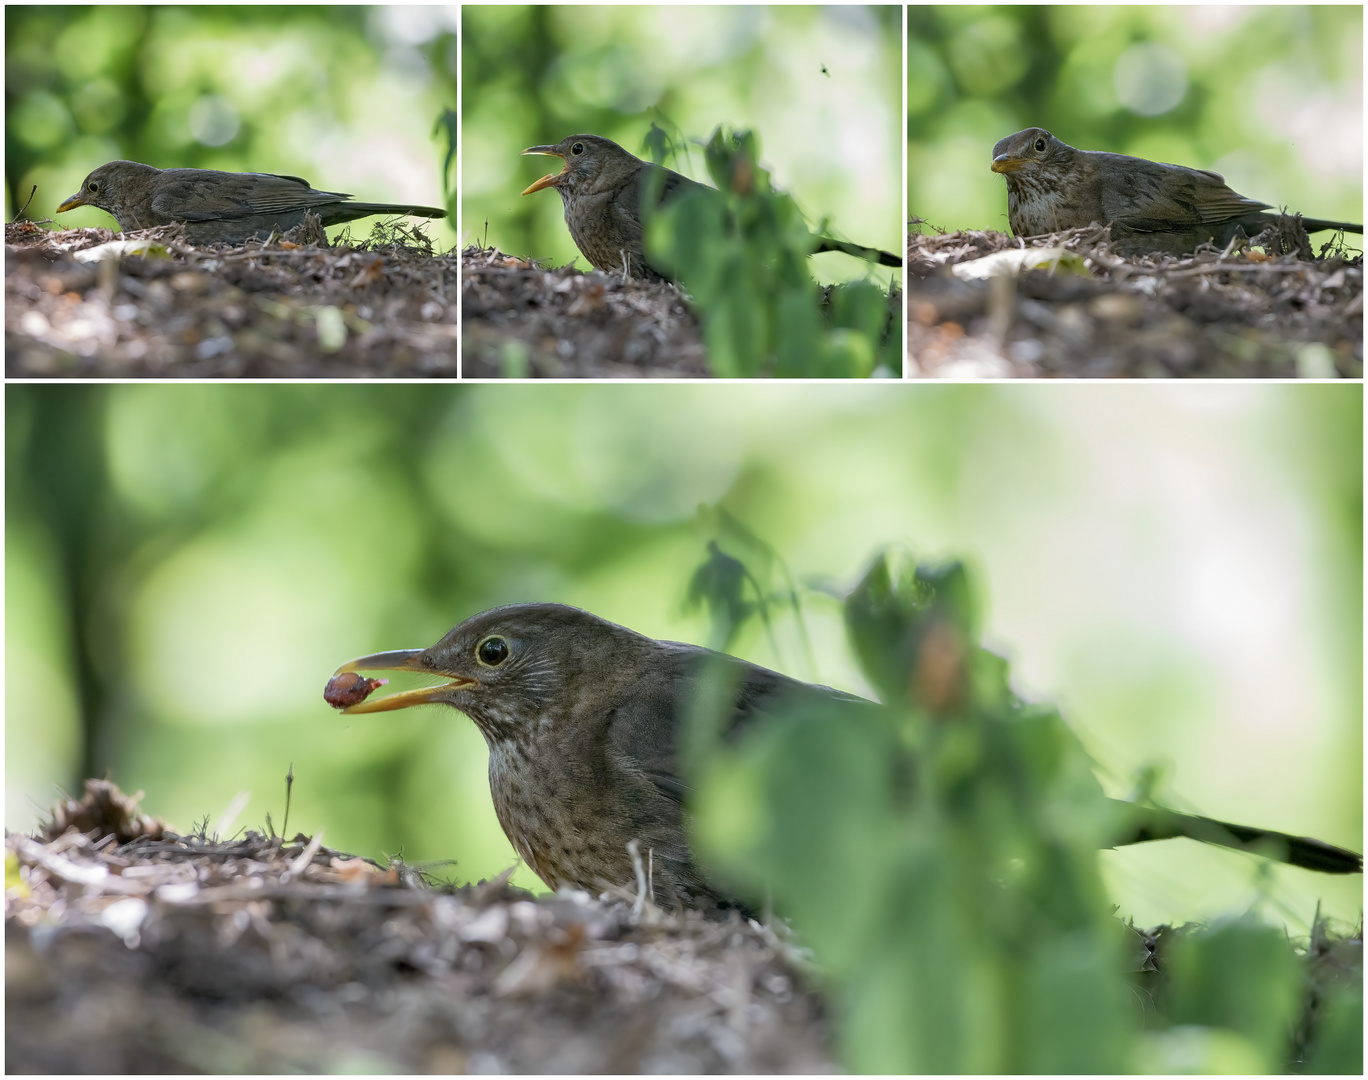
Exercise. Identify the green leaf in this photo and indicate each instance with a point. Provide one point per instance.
(1240, 976)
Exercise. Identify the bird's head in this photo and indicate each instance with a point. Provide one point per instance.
(103, 187)
(586, 157)
(506, 668)
(1029, 150)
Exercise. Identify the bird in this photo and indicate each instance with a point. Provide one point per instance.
(601, 187)
(219, 207)
(1150, 206)
(583, 720)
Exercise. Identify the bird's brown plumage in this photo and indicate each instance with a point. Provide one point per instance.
(584, 720)
(1150, 206)
(219, 207)
(602, 187)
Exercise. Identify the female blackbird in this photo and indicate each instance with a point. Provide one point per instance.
(583, 719)
(219, 207)
(602, 186)
(1149, 206)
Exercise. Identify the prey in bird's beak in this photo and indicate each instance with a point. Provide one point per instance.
(347, 691)
(550, 179)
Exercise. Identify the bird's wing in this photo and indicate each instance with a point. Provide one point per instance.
(642, 736)
(623, 211)
(1150, 196)
(206, 195)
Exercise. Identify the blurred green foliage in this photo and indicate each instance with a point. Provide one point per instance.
(186, 565)
(1242, 977)
(742, 254)
(346, 96)
(821, 83)
(942, 862)
(1271, 97)
(940, 857)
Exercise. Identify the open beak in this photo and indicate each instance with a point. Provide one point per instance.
(1005, 163)
(399, 660)
(72, 203)
(550, 179)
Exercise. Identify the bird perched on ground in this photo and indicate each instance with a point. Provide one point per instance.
(602, 186)
(219, 207)
(1150, 206)
(583, 719)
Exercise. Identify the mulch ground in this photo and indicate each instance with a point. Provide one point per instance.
(526, 321)
(1237, 313)
(129, 948)
(132, 949)
(290, 307)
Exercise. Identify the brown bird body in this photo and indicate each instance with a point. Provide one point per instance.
(1149, 205)
(602, 187)
(219, 207)
(583, 719)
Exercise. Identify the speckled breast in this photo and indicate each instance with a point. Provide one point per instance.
(1031, 210)
(552, 826)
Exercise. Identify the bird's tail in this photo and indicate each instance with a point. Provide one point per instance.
(366, 209)
(1154, 823)
(883, 258)
(1321, 225)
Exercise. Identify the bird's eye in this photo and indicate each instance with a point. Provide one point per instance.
(578, 148)
(1040, 145)
(492, 651)
(94, 186)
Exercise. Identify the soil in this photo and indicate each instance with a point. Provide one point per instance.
(288, 307)
(522, 320)
(1239, 313)
(129, 948)
(132, 949)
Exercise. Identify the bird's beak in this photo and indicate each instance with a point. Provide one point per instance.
(1005, 163)
(399, 660)
(550, 179)
(72, 203)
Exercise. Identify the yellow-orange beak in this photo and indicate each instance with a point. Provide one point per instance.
(398, 660)
(550, 179)
(1005, 163)
(72, 203)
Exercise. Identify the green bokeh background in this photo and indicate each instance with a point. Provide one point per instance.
(1270, 97)
(1179, 568)
(535, 74)
(346, 97)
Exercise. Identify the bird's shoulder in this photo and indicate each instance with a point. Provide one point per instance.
(755, 692)
(659, 185)
(644, 727)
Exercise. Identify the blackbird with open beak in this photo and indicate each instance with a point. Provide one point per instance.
(602, 187)
(583, 719)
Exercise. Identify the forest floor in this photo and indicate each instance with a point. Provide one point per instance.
(524, 321)
(983, 305)
(79, 304)
(129, 948)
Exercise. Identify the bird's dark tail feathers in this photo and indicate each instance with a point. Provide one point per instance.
(883, 258)
(366, 209)
(1152, 823)
(1321, 225)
